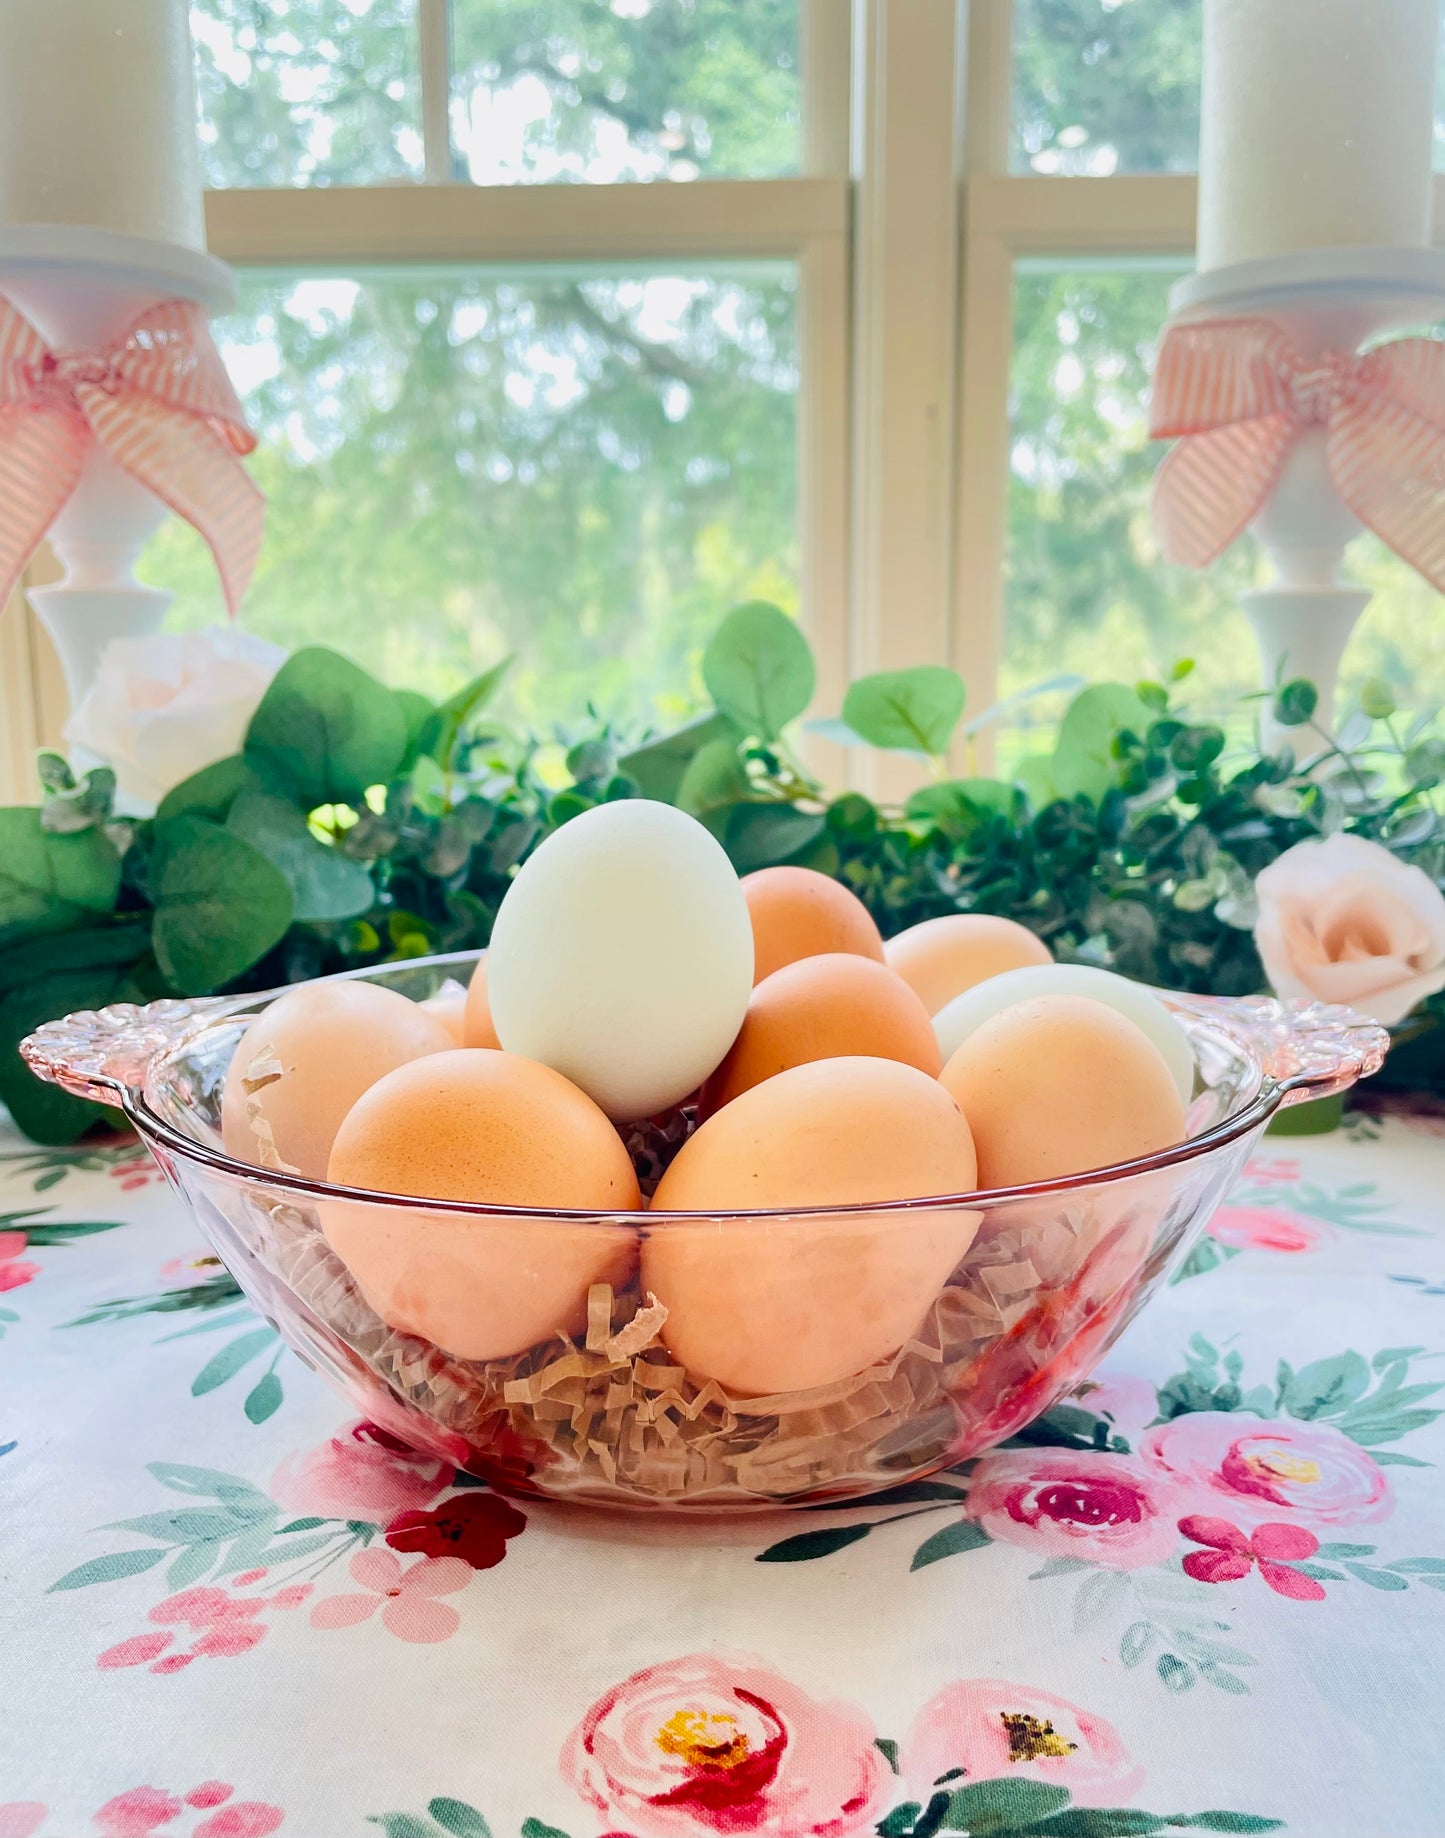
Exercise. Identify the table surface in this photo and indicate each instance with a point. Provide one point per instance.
(1216, 1598)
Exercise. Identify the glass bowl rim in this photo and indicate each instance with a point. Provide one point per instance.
(152, 1127)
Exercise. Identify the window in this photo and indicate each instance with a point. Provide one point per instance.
(566, 323)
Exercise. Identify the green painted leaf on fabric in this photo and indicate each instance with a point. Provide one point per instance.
(807, 1545)
(1325, 1387)
(900, 1821)
(264, 1399)
(325, 731)
(51, 883)
(759, 670)
(401, 1825)
(761, 835)
(230, 1359)
(109, 1569)
(1093, 1822)
(534, 1828)
(1226, 1822)
(186, 1525)
(1083, 762)
(888, 1749)
(209, 792)
(49, 1232)
(907, 711)
(1003, 1805)
(444, 730)
(190, 1565)
(657, 766)
(464, 1821)
(180, 1477)
(326, 885)
(952, 1541)
(1377, 1579)
(219, 904)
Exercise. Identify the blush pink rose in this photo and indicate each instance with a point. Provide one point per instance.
(1105, 1509)
(994, 1730)
(1311, 1471)
(138, 1813)
(1344, 920)
(21, 1818)
(363, 1473)
(1265, 1228)
(708, 1744)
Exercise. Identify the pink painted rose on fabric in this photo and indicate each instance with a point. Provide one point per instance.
(1343, 920)
(1265, 1228)
(705, 1743)
(363, 1472)
(21, 1818)
(1128, 1402)
(1105, 1509)
(1271, 1171)
(15, 1270)
(994, 1730)
(405, 1597)
(1309, 1471)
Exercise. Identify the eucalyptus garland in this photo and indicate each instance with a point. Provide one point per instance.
(361, 824)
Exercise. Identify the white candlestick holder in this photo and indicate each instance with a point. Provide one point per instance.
(82, 289)
(1324, 299)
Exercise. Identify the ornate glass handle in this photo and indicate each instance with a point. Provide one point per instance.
(1310, 1049)
(103, 1053)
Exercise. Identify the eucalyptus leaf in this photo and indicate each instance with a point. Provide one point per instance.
(910, 711)
(44, 1112)
(325, 731)
(713, 780)
(52, 883)
(209, 792)
(657, 766)
(759, 669)
(326, 885)
(219, 904)
(1083, 761)
(762, 835)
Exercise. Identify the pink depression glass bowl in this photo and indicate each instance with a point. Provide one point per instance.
(1046, 1278)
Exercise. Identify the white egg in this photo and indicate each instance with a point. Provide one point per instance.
(954, 1023)
(622, 956)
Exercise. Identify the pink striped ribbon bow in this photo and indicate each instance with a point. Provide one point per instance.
(1239, 396)
(158, 401)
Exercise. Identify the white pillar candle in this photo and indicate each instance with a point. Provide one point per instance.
(98, 117)
(1315, 126)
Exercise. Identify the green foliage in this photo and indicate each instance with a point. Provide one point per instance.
(359, 826)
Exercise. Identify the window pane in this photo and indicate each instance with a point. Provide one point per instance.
(584, 470)
(1086, 591)
(308, 92)
(567, 90)
(1102, 86)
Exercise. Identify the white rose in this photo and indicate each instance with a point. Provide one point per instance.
(1343, 920)
(162, 707)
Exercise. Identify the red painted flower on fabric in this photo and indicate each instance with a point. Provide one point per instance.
(472, 1526)
(1231, 1554)
(1265, 1228)
(15, 1271)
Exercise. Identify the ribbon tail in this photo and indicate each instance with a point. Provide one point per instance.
(1211, 486)
(1387, 460)
(190, 464)
(42, 455)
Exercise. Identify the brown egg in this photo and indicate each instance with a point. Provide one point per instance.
(787, 1304)
(1059, 1085)
(304, 1061)
(829, 1007)
(494, 1128)
(477, 1029)
(799, 913)
(941, 958)
(449, 1005)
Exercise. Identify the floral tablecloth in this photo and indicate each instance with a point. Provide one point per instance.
(1209, 1595)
